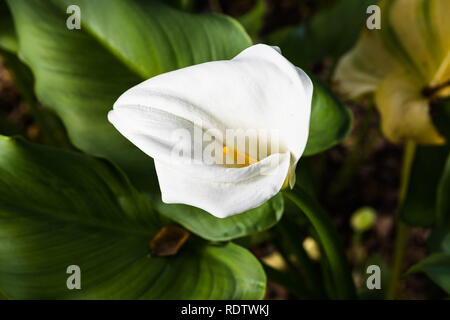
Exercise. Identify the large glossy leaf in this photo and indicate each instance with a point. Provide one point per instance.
(80, 73)
(331, 121)
(59, 208)
(209, 227)
(437, 267)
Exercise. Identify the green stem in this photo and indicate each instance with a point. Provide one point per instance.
(331, 244)
(402, 235)
(289, 243)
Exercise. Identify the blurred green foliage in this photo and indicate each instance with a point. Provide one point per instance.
(329, 33)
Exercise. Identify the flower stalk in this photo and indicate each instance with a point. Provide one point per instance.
(402, 235)
(332, 248)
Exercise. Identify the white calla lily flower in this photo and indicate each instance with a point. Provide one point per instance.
(183, 120)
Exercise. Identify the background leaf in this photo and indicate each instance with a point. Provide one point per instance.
(59, 208)
(253, 20)
(439, 241)
(437, 264)
(331, 32)
(8, 39)
(437, 267)
(419, 207)
(330, 122)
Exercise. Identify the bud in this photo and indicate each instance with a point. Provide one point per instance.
(363, 219)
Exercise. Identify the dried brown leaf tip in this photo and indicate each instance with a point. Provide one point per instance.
(168, 240)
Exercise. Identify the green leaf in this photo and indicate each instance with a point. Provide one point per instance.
(330, 32)
(80, 73)
(8, 39)
(336, 29)
(253, 20)
(291, 40)
(419, 206)
(330, 122)
(443, 198)
(59, 208)
(209, 227)
(439, 241)
(437, 267)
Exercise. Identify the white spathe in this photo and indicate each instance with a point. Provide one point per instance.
(258, 89)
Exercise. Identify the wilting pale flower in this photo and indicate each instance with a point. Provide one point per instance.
(258, 95)
(406, 65)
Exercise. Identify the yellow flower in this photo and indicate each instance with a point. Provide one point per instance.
(406, 64)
